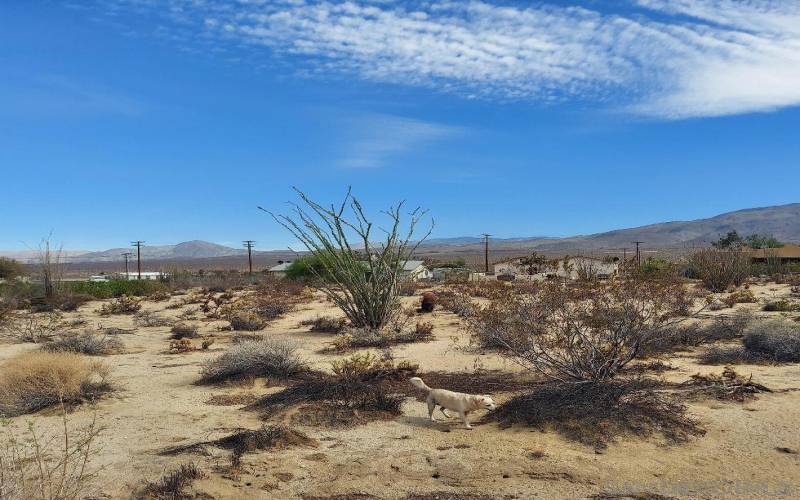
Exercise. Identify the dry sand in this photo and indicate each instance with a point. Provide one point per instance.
(158, 406)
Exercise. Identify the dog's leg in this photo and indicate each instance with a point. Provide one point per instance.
(431, 407)
(463, 415)
(444, 411)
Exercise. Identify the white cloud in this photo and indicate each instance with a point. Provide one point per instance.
(664, 58)
(374, 139)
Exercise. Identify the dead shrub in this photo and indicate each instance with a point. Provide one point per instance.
(183, 331)
(680, 337)
(740, 297)
(151, 319)
(781, 306)
(159, 296)
(457, 303)
(173, 485)
(34, 328)
(56, 465)
(597, 412)
(85, 343)
(276, 358)
(181, 346)
(32, 381)
(121, 305)
(728, 386)
(583, 333)
(356, 338)
(268, 437)
(325, 324)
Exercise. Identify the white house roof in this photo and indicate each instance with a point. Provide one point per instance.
(280, 267)
(410, 265)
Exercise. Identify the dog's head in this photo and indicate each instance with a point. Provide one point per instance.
(485, 402)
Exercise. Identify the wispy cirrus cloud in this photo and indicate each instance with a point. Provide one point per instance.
(663, 58)
(372, 140)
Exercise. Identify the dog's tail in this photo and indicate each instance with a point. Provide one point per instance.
(419, 384)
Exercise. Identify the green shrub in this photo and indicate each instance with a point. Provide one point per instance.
(115, 288)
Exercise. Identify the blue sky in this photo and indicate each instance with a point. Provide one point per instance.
(171, 120)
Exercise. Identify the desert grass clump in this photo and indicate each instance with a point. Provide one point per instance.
(183, 331)
(36, 380)
(720, 269)
(54, 465)
(88, 343)
(276, 358)
(173, 485)
(595, 413)
(121, 305)
(325, 324)
(357, 274)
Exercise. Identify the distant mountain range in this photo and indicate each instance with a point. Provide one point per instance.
(782, 221)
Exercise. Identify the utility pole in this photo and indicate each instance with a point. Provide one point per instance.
(486, 251)
(638, 255)
(624, 255)
(126, 255)
(138, 245)
(248, 244)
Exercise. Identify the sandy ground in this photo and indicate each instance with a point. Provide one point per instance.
(158, 405)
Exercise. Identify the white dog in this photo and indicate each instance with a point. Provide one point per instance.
(455, 401)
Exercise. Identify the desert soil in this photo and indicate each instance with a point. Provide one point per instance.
(158, 405)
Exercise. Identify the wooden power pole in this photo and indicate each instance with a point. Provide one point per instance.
(486, 252)
(248, 244)
(138, 245)
(638, 254)
(126, 255)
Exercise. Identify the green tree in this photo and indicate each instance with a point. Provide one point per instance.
(730, 240)
(10, 268)
(762, 241)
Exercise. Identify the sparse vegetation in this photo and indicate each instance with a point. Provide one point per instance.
(356, 338)
(740, 297)
(118, 288)
(325, 324)
(151, 319)
(85, 343)
(276, 358)
(42, 465)
(173, 485)
(781, 306)
(728, 386)
(775, 340)
(36, 380)
(122, 305)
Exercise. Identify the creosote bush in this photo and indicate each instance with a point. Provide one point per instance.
(355, 338)
(325, 324)
(36, 380)
(151, 319)
(720, 269)
(276, 358)
(584, 333)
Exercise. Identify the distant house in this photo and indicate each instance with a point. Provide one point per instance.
(450, 273)
(569, 268)
(280, 269)
(785, 254)
(145, 275)
(415, 270)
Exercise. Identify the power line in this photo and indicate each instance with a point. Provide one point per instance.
(249, 245)
(138, 245)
